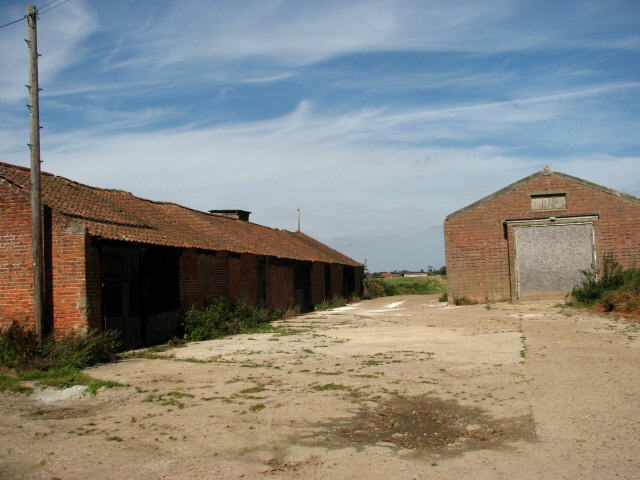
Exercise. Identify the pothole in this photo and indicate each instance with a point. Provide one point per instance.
(422, 423)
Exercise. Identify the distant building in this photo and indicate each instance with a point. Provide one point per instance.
(117, 261)
(533, 238)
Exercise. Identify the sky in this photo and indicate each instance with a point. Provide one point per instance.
(376, 118)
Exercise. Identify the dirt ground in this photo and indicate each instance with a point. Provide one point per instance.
(398, 388)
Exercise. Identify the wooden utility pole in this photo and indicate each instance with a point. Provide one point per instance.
(34, 145)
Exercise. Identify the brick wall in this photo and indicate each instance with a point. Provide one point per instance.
(279, 281)
(188, 278)
(71, 303)
(479, 248)
(242, 278)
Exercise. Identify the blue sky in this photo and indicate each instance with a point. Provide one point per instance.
(377, 118)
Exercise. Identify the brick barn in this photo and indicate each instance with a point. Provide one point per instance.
(116, 261)
(533, 238)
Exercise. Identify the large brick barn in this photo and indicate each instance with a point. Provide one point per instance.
(116, 261)
(533, 238)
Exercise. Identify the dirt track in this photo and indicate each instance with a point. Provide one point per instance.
(399, 387)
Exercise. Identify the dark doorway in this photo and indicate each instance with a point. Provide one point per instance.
(140, 292)
(302, 285)
(348, 281)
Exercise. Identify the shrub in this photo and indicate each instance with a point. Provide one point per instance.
(614, 288)
(463, 301)
(19, 349)
(373, 288)
(221, 318)
(18, 346)
(444, 297)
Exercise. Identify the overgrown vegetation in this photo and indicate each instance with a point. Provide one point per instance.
(379, 287)
(330, 303)
(613, 289)
(57, 361)
(221, 318)
(20, 350)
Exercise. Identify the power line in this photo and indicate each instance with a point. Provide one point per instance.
(11, 23)
(46, 10)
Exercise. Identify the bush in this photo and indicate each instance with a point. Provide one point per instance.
(412, 286)
(221, 318)
(614, 288)
(19, 349)
(373, 288)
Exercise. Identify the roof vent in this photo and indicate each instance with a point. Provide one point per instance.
(235, 214)
(547, 171)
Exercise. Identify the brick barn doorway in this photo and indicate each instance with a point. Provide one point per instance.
(550, 258)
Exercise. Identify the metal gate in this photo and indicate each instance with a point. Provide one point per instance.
(550, 258)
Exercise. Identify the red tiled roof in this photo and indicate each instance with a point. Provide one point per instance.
(119, 215)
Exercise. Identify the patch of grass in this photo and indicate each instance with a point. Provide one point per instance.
(65, 378)
(329, 303)
(11, 384)
(444, 297)
(257, 407)
(329, 386)
(412, 286)
(255, 389)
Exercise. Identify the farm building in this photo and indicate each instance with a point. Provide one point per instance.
(116, 261)
(533, 238)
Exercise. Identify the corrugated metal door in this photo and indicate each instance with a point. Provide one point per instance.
(550, 258)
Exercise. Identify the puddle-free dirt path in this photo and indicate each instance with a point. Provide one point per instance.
(400, 387)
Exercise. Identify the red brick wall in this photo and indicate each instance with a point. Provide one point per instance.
(72, 303)
(242, 278)
(317, 282)
(16, 287)
(279, 280)
(479, 260)
(188, 278)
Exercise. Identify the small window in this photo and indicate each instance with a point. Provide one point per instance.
(551, 201)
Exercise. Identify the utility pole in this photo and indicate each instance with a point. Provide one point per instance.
(34, 146)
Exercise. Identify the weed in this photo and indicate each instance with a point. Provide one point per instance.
(463, 301)
(256, 389)
(444, 297)
(257, 407)
(329, 303)
(329, 386)
(221, 318)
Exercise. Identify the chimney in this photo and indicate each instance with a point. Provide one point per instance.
(235, 214)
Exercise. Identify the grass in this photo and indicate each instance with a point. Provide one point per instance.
(12, 384)
(330, 303)
(412, 286)
(65, 378)
(329, 386)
